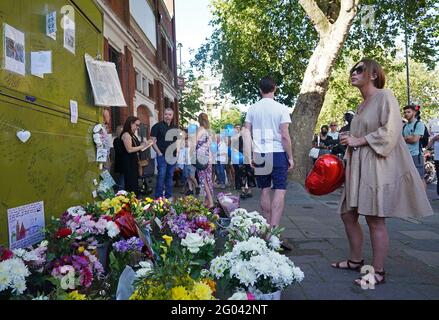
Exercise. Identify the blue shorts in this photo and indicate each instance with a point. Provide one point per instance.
(271, 170)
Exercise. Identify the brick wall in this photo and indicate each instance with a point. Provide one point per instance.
(121, 9)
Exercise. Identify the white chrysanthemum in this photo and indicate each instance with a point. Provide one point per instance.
(274, 243)
(5, 280)
(262, 266)
(242, 271)
(113, 229)
(17, 268)
(204, 273)
(219, 265)
(19, 286)
(238, 212)
(19, 253)
(298, 274)
(41, 298)
(121, 193)
(253, 245)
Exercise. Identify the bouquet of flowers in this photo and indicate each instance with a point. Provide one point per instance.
(85, 225)
(77, 269)
(254, 267)
(13, 273)
(170, 279)
(244, 224)
(17, 266)
(189, 216)
(183, 288)
(157, 208)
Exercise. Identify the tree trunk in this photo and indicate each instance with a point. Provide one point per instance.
(316, 80)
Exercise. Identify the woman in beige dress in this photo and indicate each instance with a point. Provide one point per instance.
(381, 178)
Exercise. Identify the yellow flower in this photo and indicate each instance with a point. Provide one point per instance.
(179, 293)
(168, 240)
(136, 295)
(105, 205)
(75, 295)
(202, 291)
(81, 250)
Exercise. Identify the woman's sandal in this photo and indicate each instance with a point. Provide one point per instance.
(377, 281)
(359, 264)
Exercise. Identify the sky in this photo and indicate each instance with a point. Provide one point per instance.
(192, 26)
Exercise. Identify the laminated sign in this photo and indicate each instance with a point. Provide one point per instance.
(105, 83)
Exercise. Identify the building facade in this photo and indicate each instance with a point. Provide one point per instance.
(139, 37)
(214, 104)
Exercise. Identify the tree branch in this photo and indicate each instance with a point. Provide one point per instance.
(318, 18)
(348, 10)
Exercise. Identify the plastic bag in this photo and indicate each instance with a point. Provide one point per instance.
(228, 202)
(125, 287)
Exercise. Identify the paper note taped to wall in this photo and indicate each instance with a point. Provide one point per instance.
(26, 225)
(105, 83)
(41, 62)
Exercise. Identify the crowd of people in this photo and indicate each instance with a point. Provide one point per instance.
(417, 135)
(382, 157)
(179, 157)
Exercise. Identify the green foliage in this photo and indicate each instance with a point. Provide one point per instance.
(254, 38)
(341, 96)
(233, 116)
(190, 100)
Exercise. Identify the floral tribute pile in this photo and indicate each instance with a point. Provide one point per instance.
(175, 251)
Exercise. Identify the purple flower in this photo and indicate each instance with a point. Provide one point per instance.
(132, 244)
(79, 262)
(121, 246)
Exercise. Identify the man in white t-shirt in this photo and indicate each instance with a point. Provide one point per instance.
(267, 123)
(433, 126)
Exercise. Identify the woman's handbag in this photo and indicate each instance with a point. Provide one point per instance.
(141, 164)
(315, 152)
(201, 161)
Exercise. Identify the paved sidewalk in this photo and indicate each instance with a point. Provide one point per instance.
(317, 233)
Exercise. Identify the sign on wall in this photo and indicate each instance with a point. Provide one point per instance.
(26, 225)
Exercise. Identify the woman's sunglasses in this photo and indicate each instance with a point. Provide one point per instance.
(358, 70)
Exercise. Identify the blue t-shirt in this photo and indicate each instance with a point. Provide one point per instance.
(409, 131)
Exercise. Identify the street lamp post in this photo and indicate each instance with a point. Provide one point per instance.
(407, 59)
(179, 45)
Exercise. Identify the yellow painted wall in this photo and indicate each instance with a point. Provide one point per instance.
(57, 165)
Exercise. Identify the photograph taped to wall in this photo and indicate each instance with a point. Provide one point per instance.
(14, 50)
(69, 34)
(26, 225)
(105, 83)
